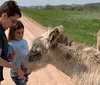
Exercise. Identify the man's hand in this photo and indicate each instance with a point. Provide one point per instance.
(20, 73)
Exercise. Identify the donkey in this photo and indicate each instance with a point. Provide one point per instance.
(80, 63)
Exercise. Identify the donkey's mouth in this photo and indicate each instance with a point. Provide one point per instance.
(24, 70)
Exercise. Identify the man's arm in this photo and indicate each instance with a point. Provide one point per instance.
(8, 65)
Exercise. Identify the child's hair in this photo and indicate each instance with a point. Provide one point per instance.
(11, 8)
(18, 25)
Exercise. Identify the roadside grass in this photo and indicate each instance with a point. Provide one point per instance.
(78, 26)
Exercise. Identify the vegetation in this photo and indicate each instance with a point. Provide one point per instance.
(80, 26)
(73, 7)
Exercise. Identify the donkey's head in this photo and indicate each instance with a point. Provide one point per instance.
(41, 45)
(44, 43)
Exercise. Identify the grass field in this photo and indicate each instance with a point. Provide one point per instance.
(78, 26)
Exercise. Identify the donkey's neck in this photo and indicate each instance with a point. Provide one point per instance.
(65, 59)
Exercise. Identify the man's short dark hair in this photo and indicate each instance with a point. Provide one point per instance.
(11, 8)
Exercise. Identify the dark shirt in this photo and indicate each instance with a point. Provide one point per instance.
(3, 43)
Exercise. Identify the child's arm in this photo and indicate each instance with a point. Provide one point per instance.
(12, 55)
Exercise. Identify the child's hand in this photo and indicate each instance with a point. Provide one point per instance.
(12, 55)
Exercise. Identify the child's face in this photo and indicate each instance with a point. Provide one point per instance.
(18, 34)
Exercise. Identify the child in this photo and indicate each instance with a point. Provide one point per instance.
(15, 39)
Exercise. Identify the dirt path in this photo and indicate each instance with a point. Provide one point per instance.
(45, 76)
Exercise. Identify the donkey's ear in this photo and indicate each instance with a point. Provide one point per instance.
(54, 33)
(52, 38)
(59, 28)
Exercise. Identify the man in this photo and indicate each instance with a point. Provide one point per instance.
(9, 13)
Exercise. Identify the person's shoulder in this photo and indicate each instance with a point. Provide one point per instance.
(24, 40)
(1, 33)
(11, 44)
(10, 47)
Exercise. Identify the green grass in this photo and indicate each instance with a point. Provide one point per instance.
(78, 26)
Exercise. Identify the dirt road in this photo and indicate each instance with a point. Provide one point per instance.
(45, 76)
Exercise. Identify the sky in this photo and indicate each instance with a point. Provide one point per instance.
(51, 2)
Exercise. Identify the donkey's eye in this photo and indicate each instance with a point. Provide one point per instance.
(32, 51)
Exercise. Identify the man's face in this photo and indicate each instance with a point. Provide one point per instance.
(8, 21)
